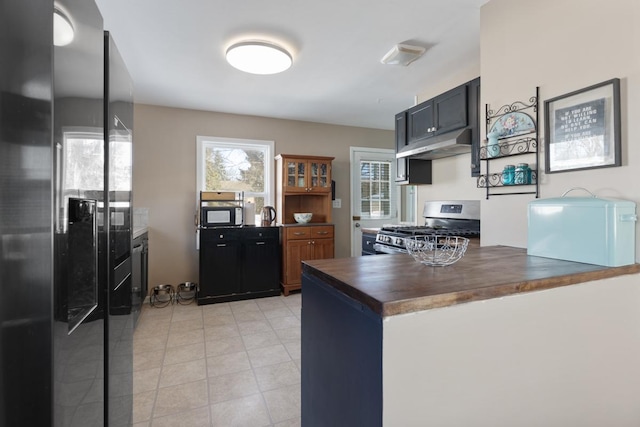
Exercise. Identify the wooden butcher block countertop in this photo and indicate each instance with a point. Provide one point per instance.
(396, 284)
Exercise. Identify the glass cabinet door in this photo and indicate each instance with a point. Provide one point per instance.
(320, 177)
(296, 175)
(306, 175)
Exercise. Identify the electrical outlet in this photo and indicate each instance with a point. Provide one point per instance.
(337, 203)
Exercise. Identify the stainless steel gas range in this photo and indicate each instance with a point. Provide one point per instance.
(445, 218)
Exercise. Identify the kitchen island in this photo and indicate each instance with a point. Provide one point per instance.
(499, 338)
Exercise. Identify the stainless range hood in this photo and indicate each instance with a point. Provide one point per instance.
(445, 145)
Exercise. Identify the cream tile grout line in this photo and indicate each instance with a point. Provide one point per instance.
(155, 392)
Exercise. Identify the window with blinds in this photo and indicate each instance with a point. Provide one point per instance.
(375, 189)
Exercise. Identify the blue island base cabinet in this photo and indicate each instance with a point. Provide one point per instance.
(567, 356)
(341, 359)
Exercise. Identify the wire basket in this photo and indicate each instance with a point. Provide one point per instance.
(436, 250)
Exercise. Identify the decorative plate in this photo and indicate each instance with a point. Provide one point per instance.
(513, 124)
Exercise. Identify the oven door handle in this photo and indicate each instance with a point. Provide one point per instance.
(388, 249)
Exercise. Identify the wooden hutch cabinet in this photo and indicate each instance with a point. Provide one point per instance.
(303, 184)
(302, 174)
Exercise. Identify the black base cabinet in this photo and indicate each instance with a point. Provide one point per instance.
(139, 273)
(238, 263)
(368, 240)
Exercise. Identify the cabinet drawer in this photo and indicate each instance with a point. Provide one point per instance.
(219, 234)
(295, 233)
(261, 233)
(322, 231)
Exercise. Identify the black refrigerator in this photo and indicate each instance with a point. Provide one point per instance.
(65, 241)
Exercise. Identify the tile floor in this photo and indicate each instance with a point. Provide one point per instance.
(227, 364)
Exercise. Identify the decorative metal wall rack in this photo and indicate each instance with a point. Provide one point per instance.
(511, 131)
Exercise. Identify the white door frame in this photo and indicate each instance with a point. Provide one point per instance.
(352, 222)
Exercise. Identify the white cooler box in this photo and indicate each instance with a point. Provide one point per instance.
(583, 229)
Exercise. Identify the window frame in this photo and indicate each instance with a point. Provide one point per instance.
(392, 198)
(202, 142)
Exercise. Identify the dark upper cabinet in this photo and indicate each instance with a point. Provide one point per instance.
(450, 110)
(455, 109)
(442, 114)
(420, 121)
(401, 141)
(474, 124)
(417, 172)
(409, 171)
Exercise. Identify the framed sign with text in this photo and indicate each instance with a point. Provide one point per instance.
(582, 128)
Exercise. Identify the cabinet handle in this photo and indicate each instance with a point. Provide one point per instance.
(220, 245)
(259, 243)
(322, 232)
(298, 233)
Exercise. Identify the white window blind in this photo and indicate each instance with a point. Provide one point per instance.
(375, 185)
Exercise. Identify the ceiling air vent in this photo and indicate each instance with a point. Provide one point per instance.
(403, 54)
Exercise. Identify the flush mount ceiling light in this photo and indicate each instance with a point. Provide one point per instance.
(259, 57)
(403, 54)
(62, 29)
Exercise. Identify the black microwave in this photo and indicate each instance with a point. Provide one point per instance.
(220, 216)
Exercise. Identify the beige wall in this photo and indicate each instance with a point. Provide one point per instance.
(560, 46)
(164, 179)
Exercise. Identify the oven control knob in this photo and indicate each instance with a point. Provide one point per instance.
(399, 241)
